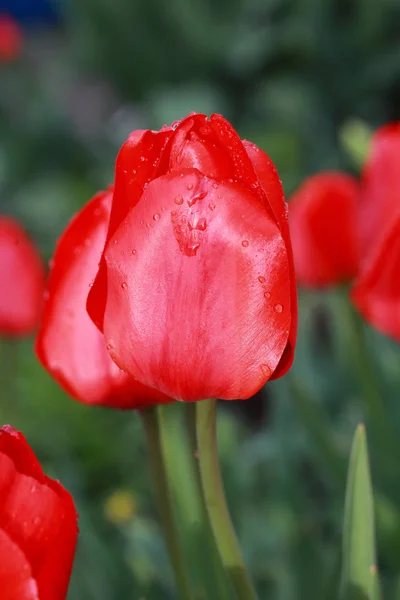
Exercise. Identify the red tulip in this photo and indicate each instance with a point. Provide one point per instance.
(38, 526)
(196, 293)
(11, 38)
(380, 187)
(323, 226)
(21, 280)
(69, 345)
(376, 292)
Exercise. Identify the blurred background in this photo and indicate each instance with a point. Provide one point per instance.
(305, 80)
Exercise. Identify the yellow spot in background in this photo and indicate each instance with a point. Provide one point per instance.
(120, 507)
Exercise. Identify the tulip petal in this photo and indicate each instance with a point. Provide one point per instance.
(38, 514)
(380, 186)
(272, 187)
(198, 289)
(194, 145)
(138, 162)
(21, 280)
(322, 217)
(16, 581)
(69, 345)
(376, 292)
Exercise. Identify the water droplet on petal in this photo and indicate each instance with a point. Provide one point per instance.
(178, 199)
(156, 217)
(124, 285)
(202, 224)
(211, 206)
(245, 243)
(197, 197)
(261, 279)
(215, 186)
(115, 242)
(192, 249)
(134, 252)
(190, 186)
(266, 370)
(133, 171)
(267, 295)
(278, 308)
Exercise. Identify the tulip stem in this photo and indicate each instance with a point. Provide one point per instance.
(376, 411)
(151, 421)
(217, 508)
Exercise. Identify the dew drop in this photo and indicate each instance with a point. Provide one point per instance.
(278, 308)
(124, 285)
(211, 206)
(245, 243)
(156, 217)
(178, 199)
(192, 249)
(267, 295)
(134, 252)
(163, 208)
(115, 242)
(266, 370)
(201, 225)
(133, 171)
(261, 279)
(109, 347)
(215, 186)
(197, 197)
(142, 158)
(190, 186)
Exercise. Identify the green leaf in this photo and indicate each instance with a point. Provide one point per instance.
(359, 574)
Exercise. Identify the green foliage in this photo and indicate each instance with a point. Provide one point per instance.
(359, 573)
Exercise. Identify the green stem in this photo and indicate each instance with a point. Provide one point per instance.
(365, 369)
(214, 496)
(151, 421)
(217, 574)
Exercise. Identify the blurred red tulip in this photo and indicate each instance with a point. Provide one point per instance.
(376, 292)
(22, 280)
(69, 345)
(323, 226)
(38, 526)
(11, 38)
(380, 187)
(196, 292)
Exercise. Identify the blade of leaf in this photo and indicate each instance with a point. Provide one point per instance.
(359, 575)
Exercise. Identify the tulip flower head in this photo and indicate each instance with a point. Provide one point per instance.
(376, 292)
(195, 293)
(11, 39)
(69, 345)
(22, 280)
(322, 215)
(38, 526)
